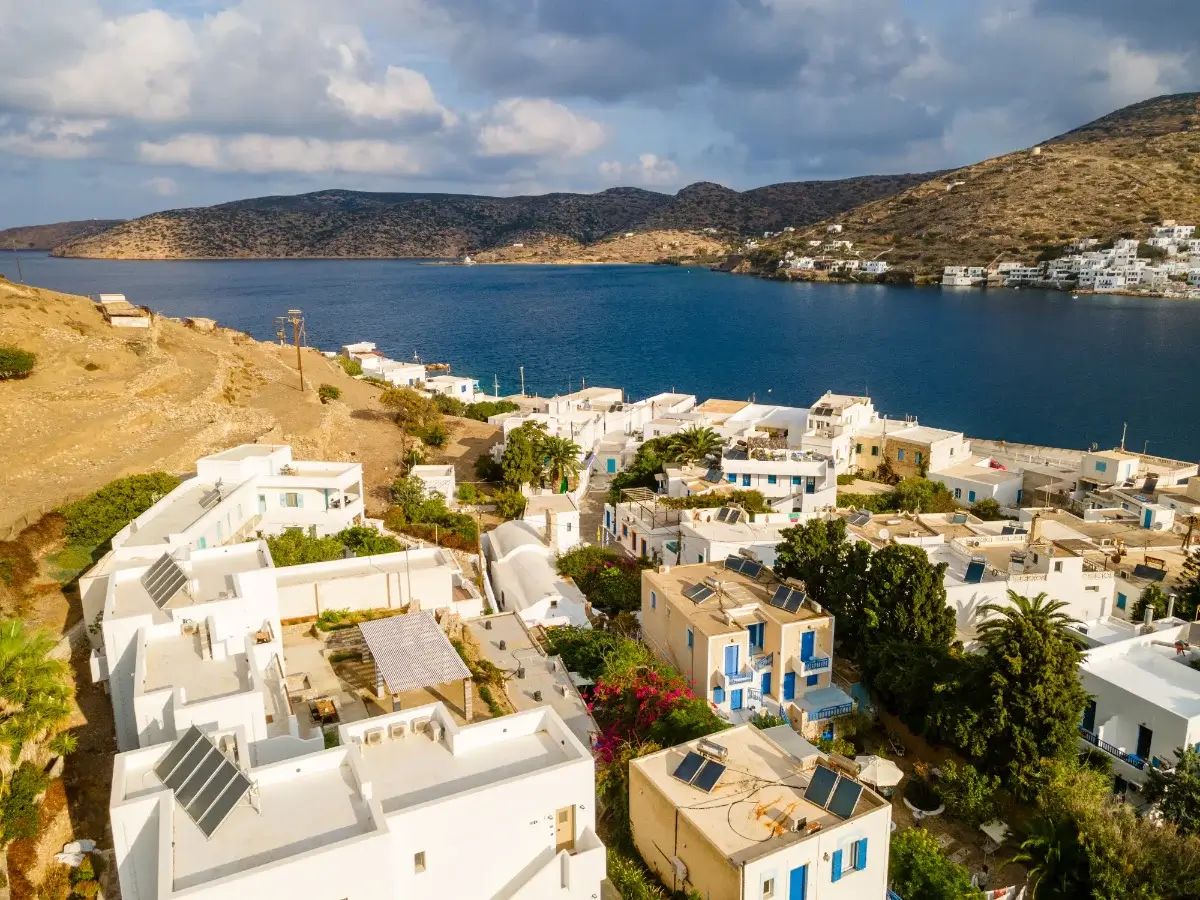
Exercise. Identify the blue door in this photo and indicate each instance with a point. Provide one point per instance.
(735, 699)
(1149, 519)
(789, 685)
(766, 684)
(612, 466)
(827, 732)
(806, 644)
(798, 884)
(731, 659)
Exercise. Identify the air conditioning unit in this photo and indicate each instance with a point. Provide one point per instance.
(435, 730)
(681, 871)
(419, 725)
(373, 736)
(398, 730)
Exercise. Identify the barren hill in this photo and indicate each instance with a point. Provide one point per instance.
(105, 402)
(356, 224)
(46, 237)
(1112, 177)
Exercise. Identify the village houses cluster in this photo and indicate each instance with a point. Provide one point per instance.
(263, 755)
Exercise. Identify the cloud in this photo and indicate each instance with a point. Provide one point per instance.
(262, 153)
(401, 93)
(537, 127)
(650, 170)
(52, 138)
(161, 186)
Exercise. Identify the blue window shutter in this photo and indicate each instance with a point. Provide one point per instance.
(862, 855)
(653, 600)
(971, 496)
(1120, 601)
(770, 479)
(299, 501)
(718, 695)
(745, 481)
(691, 638)
(732, 478)
(283, 500)
(812, 679)
(795, 479)
(837, 865)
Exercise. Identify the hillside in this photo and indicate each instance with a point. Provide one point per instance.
(658, 245)
(357, 224)
(105, 402)
(1112, 177)
(46, 237)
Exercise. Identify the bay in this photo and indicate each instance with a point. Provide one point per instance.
(1024, 366)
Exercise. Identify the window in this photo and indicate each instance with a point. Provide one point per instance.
(875, 450)
(900, 454)
(291, 500)
(691, 639)
(731, 478)
(607, 521)
(812, 680)
(745, 481)
(643, 546)
(1120, 601)
(768, 888)
(852, 858)
(858, 448)
(699, 557)
(757, 635)
(653, 600)
(958, 493)
(970, 496)
(1101, 466)
(419, 861)
(1058, 566)
(262, 503)
(202, 543)
(568, 528)
(771, 479)
(624, 531)
(795, 479)
(919, 457)
(1092, 587)
(718, 695)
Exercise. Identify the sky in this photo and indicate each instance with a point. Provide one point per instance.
(118, 108)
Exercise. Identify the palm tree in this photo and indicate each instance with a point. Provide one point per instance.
(1040, 612)
(561, 458)
(1058, 864)
(694, 444)
(35, 691)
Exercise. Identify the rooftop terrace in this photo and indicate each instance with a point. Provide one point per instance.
(177, 661)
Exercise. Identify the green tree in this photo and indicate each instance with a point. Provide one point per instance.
(694, 444)
(560, 459)
(20, 813)
(16, 363)
(522, 462)
(1187, 592)
(815, 553)
(1033, 695)
(296, 548)
(1152, 596)
(408, 493)
(449, 406)
(906, 598)
(35, 690)
(920, 495)
(1059, 868)
(363, 540)
(1176, 791)
(483, 410)
(987, 509)
(509, 504)
(650, 460)
(969, 795)
(917, 869)
(351, 367)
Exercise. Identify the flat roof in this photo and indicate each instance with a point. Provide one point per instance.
(924, 434)
(541, 503)
(177, 661)
(971, 470)
(709, 616)
(881, 528)
(762, 785)
(542, 673)
(1155, 674)
(246, 451)
(739, 532)
(403, 561)
(175, 515)
(211, 572)
(1122, 525)
(721, 407)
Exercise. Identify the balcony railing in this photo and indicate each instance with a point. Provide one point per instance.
(1132, 758)
(763, 661)
(742, 677)
(833, 712)
(815, 663)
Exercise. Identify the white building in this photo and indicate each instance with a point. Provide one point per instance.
(245, 490)
(1173, 232)
(957, 276)
(523, 579)
(982, 478)
(457, 386)
(438, 479)
(749, 815)
(707, 536)
(1145, 699)
(875, 266)
(401, 374)
(556, 518)
(833, 229)
(831, 425)
(807, 478)
(385, 814)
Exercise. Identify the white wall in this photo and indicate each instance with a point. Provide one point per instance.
(1007, 493)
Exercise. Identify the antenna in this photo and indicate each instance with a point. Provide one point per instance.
(20, 274)
(1124, 428)
(496, 385)
(522, 381)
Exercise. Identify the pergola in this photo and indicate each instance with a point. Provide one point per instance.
(411, 653)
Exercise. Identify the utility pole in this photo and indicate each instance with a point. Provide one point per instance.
(20, 274)
(522, 381)
(1124, 428)
(496, 385)
(295, 318)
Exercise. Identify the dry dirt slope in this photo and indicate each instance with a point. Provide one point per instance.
(1115, 176)
(107, 402)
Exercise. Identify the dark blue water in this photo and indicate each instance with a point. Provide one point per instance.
(1027, 366)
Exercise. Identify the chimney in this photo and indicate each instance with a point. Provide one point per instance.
(1035, 530)
(1148, 620)
(1171, 606)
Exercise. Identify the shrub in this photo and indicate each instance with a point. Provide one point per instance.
(86, 889)
(20, 816)
(609, 579)
(765, 719)
(750, 501)
(449, 406)
(509, 504)
(487, 469)
(328, 392)
(968, 794)
(366, 541)
(295, 548)
(467, 493)
(917, 868)
(345, 655)
(97, 517)
(434, 436)
(485, 409)
(987, 509)
(876, 503)
(848, 478)
(16, 363)
(332, 739)
(85, 871)
(350, 366)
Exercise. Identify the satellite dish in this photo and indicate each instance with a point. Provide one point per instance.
(884, 534)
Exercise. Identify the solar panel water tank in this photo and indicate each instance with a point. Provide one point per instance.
(163, 580)
(975, 570)
(698, 593)
(206, 784)
(688, 767)
(860, 518)
(820, 786)
(708, 776)
(845, 797)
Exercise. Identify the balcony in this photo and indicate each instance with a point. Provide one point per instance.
(1131, 758)
(735, 679)
(812, 665)
(832, 712)
(762, 661)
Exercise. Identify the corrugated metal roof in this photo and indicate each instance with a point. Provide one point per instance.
(411, 652)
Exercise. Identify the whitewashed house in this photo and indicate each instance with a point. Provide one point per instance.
(457, 386)
(875, 266)
(522, 577)
(438, 479)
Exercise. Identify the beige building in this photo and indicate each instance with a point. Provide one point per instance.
(745, 641)
(758, 815)
(909, 449)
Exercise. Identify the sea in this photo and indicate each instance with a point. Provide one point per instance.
(1024, 366)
